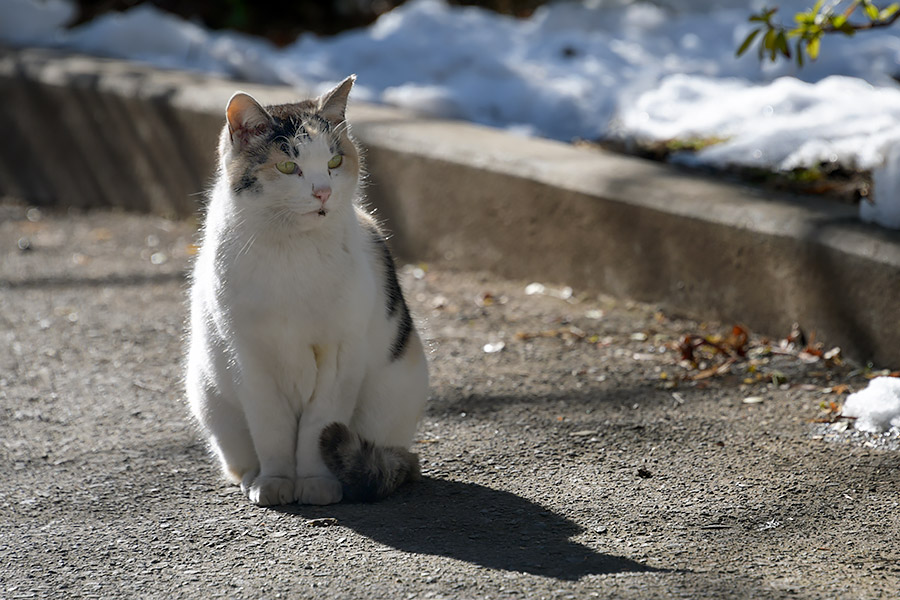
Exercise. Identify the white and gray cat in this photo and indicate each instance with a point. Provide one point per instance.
(304, 368)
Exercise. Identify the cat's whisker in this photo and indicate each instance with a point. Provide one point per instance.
(247, 245)
(290, 142)
(341, 128)
(278, 216)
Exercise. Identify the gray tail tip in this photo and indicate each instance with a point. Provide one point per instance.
(333, 437)
(367, 472)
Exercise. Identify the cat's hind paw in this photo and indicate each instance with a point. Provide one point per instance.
(270, 491)
(318, 490)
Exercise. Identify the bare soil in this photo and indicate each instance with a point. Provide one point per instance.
(573, 460)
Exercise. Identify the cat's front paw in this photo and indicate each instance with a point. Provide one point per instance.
(318, 490)
(270, 491)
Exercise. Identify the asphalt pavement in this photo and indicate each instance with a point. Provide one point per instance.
(567, 450)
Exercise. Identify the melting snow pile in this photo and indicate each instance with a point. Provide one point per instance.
(591, 69)
(877, 407)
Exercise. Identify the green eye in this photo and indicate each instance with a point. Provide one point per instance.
(335, 161)
(287, 167)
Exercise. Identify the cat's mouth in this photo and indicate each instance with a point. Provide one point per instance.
(318, 212)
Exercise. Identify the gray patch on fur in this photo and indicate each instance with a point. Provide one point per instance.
(297, 122)
(396, 303)
(290, 125)
(404, 330)
(367, 472)
(247, 182)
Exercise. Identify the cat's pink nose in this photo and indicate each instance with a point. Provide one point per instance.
(323, 194)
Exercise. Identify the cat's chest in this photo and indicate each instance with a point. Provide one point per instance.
(305, 292)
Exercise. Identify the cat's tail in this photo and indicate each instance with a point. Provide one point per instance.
(367, 472)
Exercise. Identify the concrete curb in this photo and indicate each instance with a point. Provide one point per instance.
(92, 132)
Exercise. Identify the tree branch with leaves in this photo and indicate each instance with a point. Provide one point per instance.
(836, 16)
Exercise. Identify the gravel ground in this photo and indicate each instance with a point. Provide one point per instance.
(564, 453)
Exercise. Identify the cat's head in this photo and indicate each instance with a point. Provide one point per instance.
(294, 162)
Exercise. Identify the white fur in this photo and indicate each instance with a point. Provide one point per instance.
(289, 332)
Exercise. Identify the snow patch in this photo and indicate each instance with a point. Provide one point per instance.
(877, 407)
(886, 182)
(26, 22)
(590, 69)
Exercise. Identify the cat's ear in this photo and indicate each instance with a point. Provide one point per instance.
(333, 104)
(246, 119)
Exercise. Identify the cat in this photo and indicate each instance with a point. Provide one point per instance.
(304, 368)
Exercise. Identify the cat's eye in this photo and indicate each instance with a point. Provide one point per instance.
(335, 161)
(287, 167)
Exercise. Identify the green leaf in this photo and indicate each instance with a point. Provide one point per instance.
(748, 41)
(763, 16)
(805, 18)
(838, 21)
(812, 48)
(781, 44)
(872, 12)
(889, 12)
(769, 40)
(812, 31)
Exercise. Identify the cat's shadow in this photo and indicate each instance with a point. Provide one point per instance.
(475, 524)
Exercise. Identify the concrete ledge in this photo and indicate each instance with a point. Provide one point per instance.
(92, 132)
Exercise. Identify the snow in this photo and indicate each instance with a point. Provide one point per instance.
(877, 407)
(24, 22)
(785, 124)
(591, 69)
